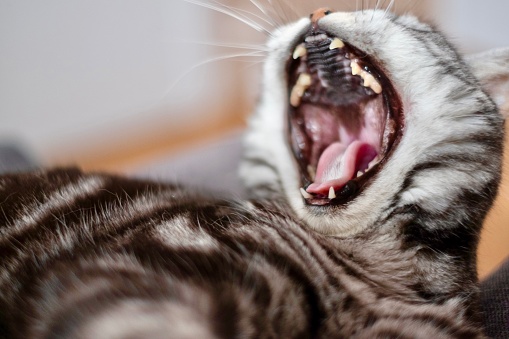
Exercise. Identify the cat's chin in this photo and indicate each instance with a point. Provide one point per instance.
(344, 118)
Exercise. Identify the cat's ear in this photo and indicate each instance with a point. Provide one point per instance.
(492, 70)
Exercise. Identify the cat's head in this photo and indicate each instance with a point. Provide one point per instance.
(368, 115)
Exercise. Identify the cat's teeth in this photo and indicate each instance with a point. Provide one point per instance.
(300, 87)
(311, 172)
(359, 174)
(375, 85)
(296, 96)
(368, 78)
(315, 38)
(336, 43)
(300, 51)
(371, 82)
(356, 68)
(373, 163)
(305, 194)
(332, 193)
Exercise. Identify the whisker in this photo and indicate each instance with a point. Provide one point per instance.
(284, 18)
(209, 61)
(377, 4)
(389, 8)
(253, 64)
(260, 48)
(288, 5)
(413, 5)
(281, 19)
(224, 10)
(243, 12)
(262, 9)
(375, 9)
(383, 3)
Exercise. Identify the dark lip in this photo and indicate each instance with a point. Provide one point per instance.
(394, 107)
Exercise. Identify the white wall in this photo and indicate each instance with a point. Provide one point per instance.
(475, 25)
(76, 74)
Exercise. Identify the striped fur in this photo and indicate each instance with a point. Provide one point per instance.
(95, 256)
(100, 256)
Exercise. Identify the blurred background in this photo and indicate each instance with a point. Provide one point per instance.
(126, 85)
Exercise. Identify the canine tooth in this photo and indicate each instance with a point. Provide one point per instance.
(356, 68)
(295, 97)
(371, 82)
(376, 87)
(300, 51)
(336, 43)
(304, 80)
(368, 78)
(332, 193)
(311, 172)
(372, 163)
(359, 174)
(305, 194)
(300, 87)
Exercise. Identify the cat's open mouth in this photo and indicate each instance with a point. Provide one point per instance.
(344, 117)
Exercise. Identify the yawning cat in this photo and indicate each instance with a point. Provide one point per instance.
(372, 159)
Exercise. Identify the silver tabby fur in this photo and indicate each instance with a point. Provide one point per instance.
(99, 256)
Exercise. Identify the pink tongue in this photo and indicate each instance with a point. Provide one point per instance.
(340, 163)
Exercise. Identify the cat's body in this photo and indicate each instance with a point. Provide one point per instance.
(331, 247)
(118, 257)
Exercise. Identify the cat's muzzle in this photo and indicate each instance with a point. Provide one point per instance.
(344, 117)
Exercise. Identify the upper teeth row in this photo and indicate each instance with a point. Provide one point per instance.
(301, 87)
(369, 79)
(300, 51)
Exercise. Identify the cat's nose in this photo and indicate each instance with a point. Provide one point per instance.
(319, 13)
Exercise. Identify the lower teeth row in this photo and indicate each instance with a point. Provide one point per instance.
(332, 192)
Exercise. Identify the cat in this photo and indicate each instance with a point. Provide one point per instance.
(372, 159)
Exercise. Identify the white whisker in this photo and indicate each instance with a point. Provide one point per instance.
(383, 3)
(413, 5)
(278, 10)
(377, 4)
(243, 12)
(375, 9)
(264, 11)
(209, 61)
(225, 10)
(254, 47)
(389, 8)
(288, 5)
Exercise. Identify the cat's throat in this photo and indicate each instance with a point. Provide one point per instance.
(342, 116)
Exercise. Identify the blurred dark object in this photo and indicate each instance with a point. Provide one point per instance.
(495, 302)
(211, 167)
(14, 159)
